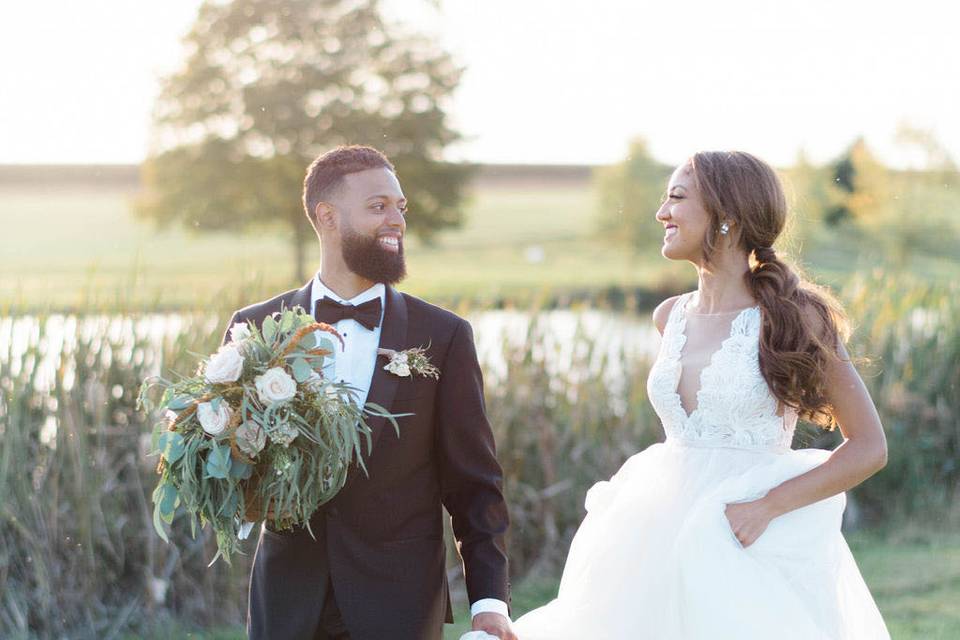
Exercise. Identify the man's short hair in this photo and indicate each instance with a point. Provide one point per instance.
(325, 174)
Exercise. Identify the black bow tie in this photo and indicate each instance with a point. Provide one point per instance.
(331, 312)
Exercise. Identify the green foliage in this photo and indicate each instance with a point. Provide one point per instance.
(630, 194)
(296, 451)
(268, 86)
(910, 330)
(78, 552)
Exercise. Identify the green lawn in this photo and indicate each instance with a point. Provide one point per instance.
(915, 580)
(77, 247)
(74, 247)
(916, 583)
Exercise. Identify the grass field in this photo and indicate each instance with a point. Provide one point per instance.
(915, 580)
(77, 247)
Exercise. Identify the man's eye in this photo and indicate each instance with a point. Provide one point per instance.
(378, 206)
(403, 210)
(674, 196)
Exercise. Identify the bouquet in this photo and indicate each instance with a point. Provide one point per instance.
(257, 433)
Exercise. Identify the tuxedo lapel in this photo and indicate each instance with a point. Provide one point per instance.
(301, 297)
(383, 385)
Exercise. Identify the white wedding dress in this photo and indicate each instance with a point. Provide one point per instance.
(655, 556)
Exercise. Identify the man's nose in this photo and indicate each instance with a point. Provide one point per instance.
(395, 218)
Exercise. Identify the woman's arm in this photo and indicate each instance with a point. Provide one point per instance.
(863, 453)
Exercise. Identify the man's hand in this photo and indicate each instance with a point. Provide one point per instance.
(494, 624)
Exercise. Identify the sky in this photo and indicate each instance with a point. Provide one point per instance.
(546, 81)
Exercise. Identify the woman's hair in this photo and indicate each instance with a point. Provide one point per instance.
(802, 326)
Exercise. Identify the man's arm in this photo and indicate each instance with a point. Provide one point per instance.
(471, 478)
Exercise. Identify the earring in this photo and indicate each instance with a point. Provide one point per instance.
(724, 229)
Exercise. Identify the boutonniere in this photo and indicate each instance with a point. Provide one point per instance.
(403, 363)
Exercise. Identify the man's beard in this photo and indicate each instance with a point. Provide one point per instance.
(366, 258)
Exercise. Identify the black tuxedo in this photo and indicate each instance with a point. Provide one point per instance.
(379, 543)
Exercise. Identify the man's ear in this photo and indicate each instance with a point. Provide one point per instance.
(325, 215)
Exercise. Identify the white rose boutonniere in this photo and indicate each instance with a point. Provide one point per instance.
(275, 385)
(225, 365)
(409, 361)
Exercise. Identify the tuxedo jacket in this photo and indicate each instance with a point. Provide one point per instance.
(379, 543)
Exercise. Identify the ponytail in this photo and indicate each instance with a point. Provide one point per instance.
(802, 327)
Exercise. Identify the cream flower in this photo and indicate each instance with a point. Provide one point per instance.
(239, 331)
(225, 365)
(251, 438)
(275, 385)
(214, 421)
(398, 368)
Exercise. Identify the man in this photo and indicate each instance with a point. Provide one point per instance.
(376, 570)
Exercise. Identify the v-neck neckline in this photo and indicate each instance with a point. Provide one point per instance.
(682, 328)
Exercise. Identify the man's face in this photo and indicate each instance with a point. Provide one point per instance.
(371, 209)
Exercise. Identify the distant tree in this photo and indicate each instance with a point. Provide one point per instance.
(861, 186)
(630, 194)
(268, 85)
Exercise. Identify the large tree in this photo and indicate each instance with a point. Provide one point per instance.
(267, 85)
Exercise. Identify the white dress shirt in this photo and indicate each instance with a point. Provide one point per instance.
(354, 364)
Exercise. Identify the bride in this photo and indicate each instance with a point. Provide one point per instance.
(723, 531)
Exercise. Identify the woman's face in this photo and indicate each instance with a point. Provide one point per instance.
(684, 218)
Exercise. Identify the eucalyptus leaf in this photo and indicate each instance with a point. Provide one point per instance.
(286, 321)
(159, 429)
(240, 470)
(171, 447)
(308, 341)
(269, 329)
(301, 370)
(158, 523)
(169, 499)
(218, 462)
(179, 403)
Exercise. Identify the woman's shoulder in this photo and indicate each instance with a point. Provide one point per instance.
(662, 313)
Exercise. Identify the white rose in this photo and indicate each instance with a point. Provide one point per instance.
(214, 421)
(275, 385)
(251, 438)
(239, 331)
(225, 365)
(398, 368)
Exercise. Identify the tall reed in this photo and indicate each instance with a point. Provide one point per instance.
(78, 556)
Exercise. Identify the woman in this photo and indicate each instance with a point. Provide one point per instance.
(723, 531)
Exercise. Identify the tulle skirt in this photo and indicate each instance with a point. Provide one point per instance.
(655, 557)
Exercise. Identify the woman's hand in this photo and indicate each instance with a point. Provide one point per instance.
(748, 520)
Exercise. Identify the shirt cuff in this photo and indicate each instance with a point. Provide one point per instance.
(490, 605)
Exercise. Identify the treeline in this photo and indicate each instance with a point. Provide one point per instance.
(852, 203)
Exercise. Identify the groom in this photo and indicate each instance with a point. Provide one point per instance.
(377, 570)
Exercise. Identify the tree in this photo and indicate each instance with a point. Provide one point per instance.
(268, 85)
(630, 194)
(862, 187)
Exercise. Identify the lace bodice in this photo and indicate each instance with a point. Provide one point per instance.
(735, 407)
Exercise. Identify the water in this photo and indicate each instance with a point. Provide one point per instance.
(559, 337)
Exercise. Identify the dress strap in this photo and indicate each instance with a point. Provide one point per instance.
(679, 311)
